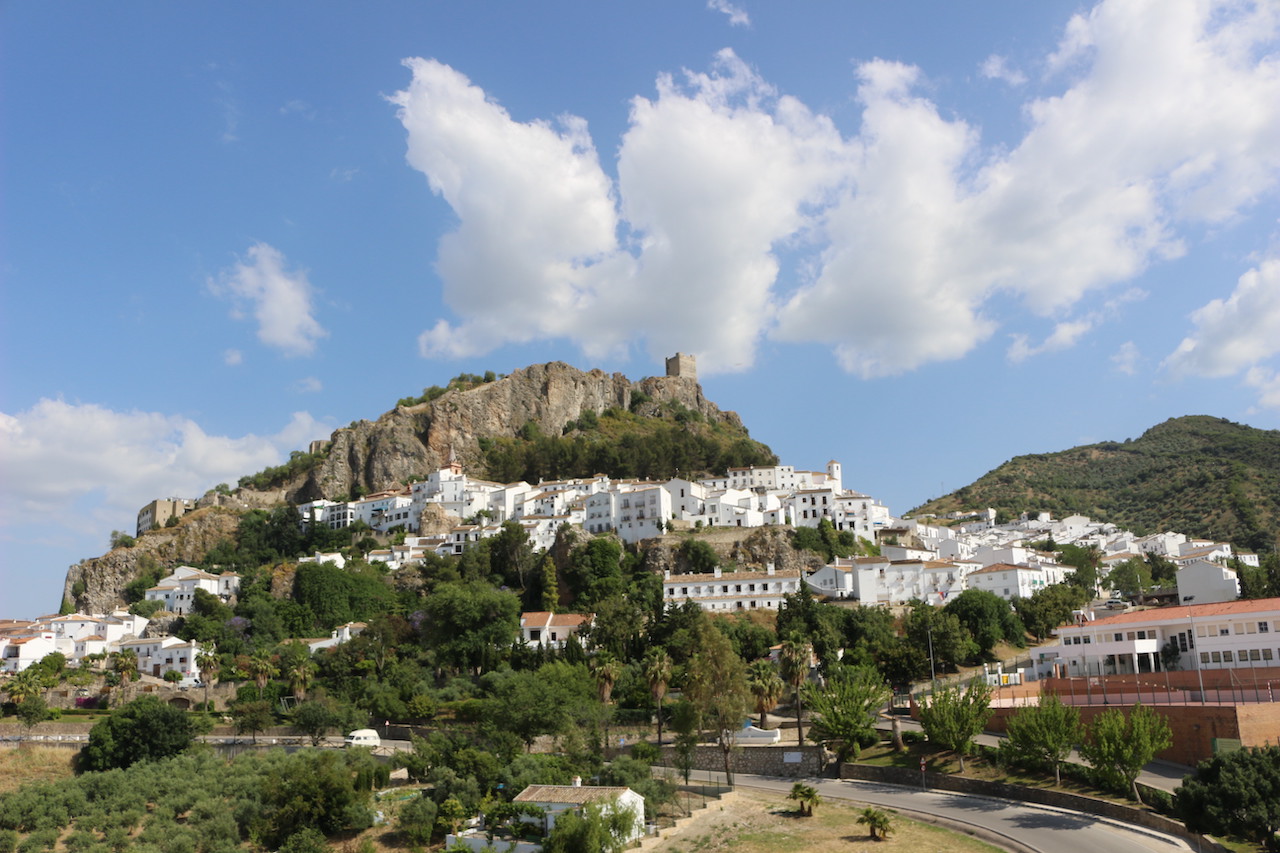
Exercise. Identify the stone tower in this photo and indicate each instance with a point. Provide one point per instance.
(683, 366)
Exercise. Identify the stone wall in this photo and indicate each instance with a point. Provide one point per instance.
(1039, 796)
(786, 761)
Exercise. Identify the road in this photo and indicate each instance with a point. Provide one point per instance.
(1029, 827)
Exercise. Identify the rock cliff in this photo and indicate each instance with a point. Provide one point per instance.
(95, 585)
(412, 441)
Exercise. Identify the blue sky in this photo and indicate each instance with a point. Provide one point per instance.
(919, 238)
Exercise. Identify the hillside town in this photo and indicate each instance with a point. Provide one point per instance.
(919, 559)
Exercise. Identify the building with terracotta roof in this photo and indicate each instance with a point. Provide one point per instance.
(541, 628)
(722, 591)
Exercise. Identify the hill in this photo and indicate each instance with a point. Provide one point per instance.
(545, 421)
(1199, 475)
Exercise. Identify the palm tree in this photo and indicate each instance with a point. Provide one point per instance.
(794, 660)
(262, 669)
(765, 686)
(300, 675)
(210, 666)
(24, 684)
(806, 797)
(877, 822)
(606, 669)
(657, 671)
(126, 664)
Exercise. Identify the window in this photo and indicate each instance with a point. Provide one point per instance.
(1266, 654)
(1118, 637)
(1217, 657)
(1226, 657)
(535, 635)
(1255, 654)
(1204, 657)
(1263, 627)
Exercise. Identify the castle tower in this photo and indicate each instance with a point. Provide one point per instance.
(683, 366)
(834, 474)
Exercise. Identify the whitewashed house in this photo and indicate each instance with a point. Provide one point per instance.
(1206, 582)
(552, 630)
(722, 591)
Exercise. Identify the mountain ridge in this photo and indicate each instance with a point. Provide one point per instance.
(1204, 476)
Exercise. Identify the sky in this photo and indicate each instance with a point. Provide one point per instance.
(919, 238)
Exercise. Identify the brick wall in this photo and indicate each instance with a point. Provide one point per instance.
(760, 760)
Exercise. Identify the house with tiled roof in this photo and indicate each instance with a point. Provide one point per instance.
(541, 628)
(555, 800)
(177, 592)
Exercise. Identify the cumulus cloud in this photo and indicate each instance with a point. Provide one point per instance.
(1064, 336)
(737, 17)
(1237, 334)
(280, 300)
(91, 468)
(903, 235)
(996, 67)
(308, 385)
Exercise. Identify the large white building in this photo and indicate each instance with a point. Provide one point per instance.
(177, 592)
(722, 591)
(1224, 635)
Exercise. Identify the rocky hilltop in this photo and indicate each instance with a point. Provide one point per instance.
(410, 441)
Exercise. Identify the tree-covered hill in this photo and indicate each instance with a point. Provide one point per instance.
(1198, 475)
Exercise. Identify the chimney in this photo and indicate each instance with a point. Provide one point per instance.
(768, 568)
(577, 781)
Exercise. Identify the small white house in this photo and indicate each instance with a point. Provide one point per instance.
(555, 800)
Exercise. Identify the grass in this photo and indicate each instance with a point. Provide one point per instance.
(25, 764)
(761, 822)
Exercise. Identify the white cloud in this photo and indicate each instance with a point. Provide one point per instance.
(90, 468)
(1064, 336)
(1237, 334)
(995, 67)
(1126, 358)
(737, 17)
(233, 357)
(308, 385)
(280, 300)
(905, 233)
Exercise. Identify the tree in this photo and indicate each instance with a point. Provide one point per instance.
(1045, 733)
(657, 672)
(988, 617)
(1120, 745)
(262, 669)
(315, 719)
(716, 684)
(416, 820)
(32, 711)
(941, 633)
(252, 717)
(125, 664)
(1132, 577)
(766, 687)
(210, 665)
(145, 729)
(806, 797)
(599, 828)
(311, 789)
(793, 661)
(847, 708)
(1049, 607)
(466, 623)
(953, 717)
(877, 822)
(23, 685)
(1236, 793)
(300, 675)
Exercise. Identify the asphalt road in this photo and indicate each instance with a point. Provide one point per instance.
(1017, 826)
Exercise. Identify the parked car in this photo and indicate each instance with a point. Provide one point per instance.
(1117, 604)
(363, 737)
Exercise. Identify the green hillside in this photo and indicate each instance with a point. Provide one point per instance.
(1198, 475)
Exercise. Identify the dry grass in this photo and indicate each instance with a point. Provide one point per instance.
(764, 822)
(24, 764)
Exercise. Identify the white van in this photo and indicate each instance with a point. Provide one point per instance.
(363, 737)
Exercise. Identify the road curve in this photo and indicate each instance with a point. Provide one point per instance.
(1029, 827)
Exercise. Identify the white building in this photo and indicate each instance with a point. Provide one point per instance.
(723, 591)
(555, 800)
(1205, 582)
(1233, 634)
(552, 630)
(177, 591)
(1010, 581)
(159, 655)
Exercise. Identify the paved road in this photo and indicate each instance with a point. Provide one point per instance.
(1029, 827)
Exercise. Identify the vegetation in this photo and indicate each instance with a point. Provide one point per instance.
(1119, 745)
(953, 717)
(461, 382)
(877, 822)
(1044, 734)
(806, 798)
(144, 730)
(1237, 793)
(624, 445)
(847, 707)
(1204, 476)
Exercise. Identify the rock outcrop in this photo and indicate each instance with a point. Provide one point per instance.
(406, 442)
(95, 585)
